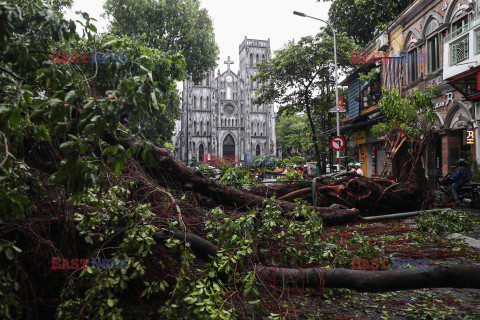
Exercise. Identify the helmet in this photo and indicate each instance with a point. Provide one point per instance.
(351, 164)
(462, 162)
(358, 164)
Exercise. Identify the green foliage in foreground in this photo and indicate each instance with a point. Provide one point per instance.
(444, 221)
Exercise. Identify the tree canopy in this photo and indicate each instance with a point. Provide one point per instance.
(170, 26)
(302, 71)
(361, 20)
(293, 132)
(415, 116)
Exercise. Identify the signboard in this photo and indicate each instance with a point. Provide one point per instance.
(449, 99)
(469, 137)
(359, 137)
(337, 143)
(341, 106)
(362, 155)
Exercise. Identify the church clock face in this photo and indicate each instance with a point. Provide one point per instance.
(228, 109)
(228, 78)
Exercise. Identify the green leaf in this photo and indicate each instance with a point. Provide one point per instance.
(70, 95)
(110, 303)
(18, 197)
(14, 119)
(9, 253)
(111, 42)
(40, 133)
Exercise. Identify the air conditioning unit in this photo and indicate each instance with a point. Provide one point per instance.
(382, 42)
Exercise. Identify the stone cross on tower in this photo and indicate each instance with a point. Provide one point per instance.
(228, 63)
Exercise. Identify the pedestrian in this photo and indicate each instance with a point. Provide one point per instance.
(460, 177)
(305, 170)
(358, 167)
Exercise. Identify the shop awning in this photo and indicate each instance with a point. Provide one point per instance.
(468, 85)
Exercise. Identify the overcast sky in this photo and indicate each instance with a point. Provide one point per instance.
(235, 19)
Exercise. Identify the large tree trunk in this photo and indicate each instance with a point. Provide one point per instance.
(452, 276)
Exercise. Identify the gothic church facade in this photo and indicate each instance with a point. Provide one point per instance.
(219, 120)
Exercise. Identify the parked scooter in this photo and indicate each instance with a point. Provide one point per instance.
(468, 193)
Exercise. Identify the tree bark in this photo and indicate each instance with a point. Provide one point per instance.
(451, 276)
(314, 132)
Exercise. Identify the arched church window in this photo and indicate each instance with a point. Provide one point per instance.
(208, 103)
(201, 153)
(208, 79)
(208, 127)
(201, 102)
(251, 59)
(229, 122)
(257, 150)
(264, 131)
(201, 127)
(194, 102)
(263, 57)
(195, 128)
(256, 60)
(229, 93)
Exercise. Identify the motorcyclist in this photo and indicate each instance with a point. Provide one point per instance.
(460, 178)
(351, 167)
(358, 168)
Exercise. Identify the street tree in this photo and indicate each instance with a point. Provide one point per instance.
(407, 132)
(301, 71)
(293, 132)
(169, 26)
(362, 20)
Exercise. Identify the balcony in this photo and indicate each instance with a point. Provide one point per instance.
(462, 50)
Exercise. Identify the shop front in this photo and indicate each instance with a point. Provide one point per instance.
(460, 136)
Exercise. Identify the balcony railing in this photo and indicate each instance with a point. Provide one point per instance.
(459, 51)
(477, 40)
(457, 33)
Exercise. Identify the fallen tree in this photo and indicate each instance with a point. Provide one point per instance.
(451, 276)
(77, 184)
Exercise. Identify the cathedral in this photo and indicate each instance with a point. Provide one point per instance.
(219, 120)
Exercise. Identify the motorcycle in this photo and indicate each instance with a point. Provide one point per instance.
(469, 193)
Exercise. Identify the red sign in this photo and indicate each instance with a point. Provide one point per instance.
(478, 81)
(337, 143)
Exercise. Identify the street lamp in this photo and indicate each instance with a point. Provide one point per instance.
(336, 76)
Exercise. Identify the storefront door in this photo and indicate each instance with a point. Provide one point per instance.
(434, 161)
